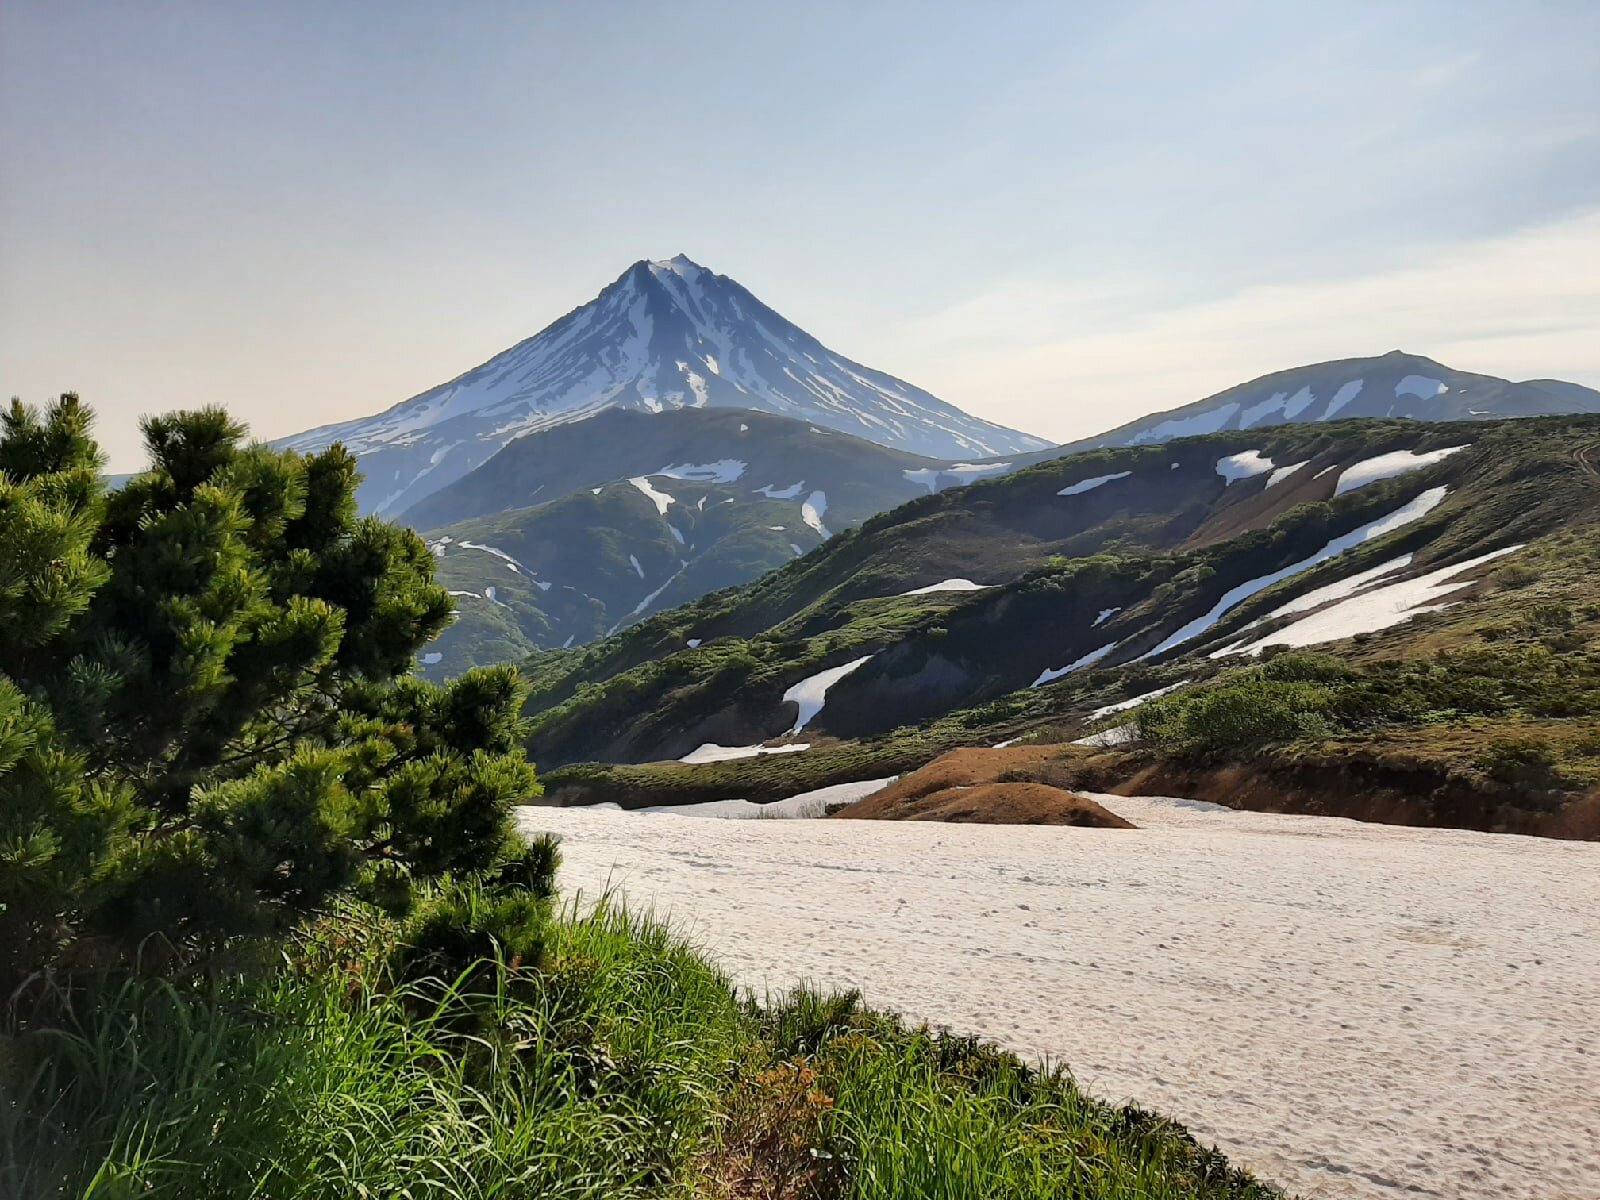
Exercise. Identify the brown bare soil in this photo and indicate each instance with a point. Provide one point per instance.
(966, 786)
(1420, 795)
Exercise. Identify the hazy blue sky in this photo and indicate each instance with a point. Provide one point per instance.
(1054, 215)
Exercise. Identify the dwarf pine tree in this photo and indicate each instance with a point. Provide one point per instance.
(208, 724)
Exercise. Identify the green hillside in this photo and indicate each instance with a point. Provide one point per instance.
(551, 543)
(1125, 564)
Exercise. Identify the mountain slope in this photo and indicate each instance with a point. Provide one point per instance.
(641, 512)
(664, 335)
(1140, 563)
(1396, 384)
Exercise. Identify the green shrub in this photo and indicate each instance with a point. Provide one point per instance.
(1236, 717)
(1525, 764)
(206, 725)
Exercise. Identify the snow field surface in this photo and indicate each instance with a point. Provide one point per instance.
(1355, 1012)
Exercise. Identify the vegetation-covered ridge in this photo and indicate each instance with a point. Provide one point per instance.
(549, 544)
(1150, 571)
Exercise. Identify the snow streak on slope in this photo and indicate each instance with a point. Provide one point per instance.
(811, 693)
(1387, 466)
(1088, 485)
(1370, 611)
(1233, 597)
(664, 335)
(1088, 660)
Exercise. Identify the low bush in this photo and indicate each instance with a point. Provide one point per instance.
(1524, 764)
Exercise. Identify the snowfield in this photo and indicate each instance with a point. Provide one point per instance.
(1351, 1010)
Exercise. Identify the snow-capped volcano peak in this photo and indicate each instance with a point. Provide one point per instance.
(665, 334)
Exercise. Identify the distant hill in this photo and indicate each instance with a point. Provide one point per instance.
(664, 335)
(1148, 562)
(569, 533)
(1396, 384)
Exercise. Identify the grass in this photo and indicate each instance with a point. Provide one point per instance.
(625, 1066)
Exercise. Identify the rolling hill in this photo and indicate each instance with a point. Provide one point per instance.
(570, 533)
(1392, 385)
(1061, 587)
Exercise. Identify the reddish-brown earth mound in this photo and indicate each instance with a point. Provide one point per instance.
(965, 786)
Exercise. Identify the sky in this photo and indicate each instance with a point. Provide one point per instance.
(1055, 216)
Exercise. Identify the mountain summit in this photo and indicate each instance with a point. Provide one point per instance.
(664, 335)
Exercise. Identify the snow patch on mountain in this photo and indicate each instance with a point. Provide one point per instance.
(1283, 473)
(1244, 465)
(1379, 608)
(811, 693)
(1298, 403)
(1343, 396)
(948, 585)
(1234, 596)
(813, 510)
(1420, 386)
(1088, 485)
(659, 498)
(1340, 589)
(1387, 466)
(1209, 421)
(1088, 660)
(724, 470)
(711, 752)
